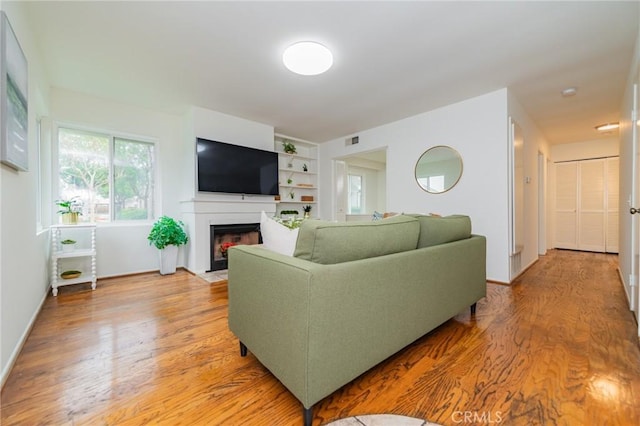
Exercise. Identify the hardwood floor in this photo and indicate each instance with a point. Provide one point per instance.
(558, 347)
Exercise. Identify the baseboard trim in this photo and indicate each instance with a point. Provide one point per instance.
(23, 339)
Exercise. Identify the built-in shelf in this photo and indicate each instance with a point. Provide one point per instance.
(291, 167)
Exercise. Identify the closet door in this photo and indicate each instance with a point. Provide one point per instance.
(613, 186)
(566, 205)
(591, 205)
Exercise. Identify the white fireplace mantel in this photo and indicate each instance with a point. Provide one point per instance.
(199, 214)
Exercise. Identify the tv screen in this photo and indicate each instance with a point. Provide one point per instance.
(224, 167)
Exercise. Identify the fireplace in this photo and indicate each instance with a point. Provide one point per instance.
(224, 236)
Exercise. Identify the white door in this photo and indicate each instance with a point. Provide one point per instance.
(591, 205)
(613, 194)
(635, 229)
(566, 205)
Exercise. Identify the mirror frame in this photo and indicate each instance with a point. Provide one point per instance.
(454, 151)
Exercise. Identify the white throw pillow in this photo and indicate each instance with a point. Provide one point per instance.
(277, 237)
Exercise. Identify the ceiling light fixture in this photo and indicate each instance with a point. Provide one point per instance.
(607, 127)
(568, 92)
(307, 58)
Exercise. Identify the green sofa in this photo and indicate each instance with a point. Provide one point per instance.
(352, 295)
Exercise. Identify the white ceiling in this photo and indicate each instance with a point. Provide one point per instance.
(391, 59)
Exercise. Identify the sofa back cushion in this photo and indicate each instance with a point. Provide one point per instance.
(436, 230)
(335, 242)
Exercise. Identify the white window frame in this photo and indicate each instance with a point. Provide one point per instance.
(112, 136)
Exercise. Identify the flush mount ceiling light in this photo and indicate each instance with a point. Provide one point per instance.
(307, 58)
(607, 127)
(568, 92)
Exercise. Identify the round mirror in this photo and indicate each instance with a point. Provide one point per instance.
(438, 169)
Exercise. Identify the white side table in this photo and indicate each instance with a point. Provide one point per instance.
(57, 235)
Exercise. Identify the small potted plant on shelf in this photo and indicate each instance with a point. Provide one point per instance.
(288, 147)
(287, 215)
(167, 234)
(69, 210)
(307, 211)
(305, 168)
(68, 245)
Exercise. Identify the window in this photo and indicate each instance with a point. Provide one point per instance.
(355, 194)
(111, 176)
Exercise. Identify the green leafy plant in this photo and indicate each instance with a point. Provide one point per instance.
(285, 212)
(68, 241)
(288, 147)
(74, 205)
(307, 208)
(167, 231)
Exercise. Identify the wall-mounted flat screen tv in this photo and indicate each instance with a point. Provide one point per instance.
(224, 167)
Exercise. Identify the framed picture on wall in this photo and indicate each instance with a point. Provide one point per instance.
(14, 142)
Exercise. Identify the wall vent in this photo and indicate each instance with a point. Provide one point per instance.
(352, 141)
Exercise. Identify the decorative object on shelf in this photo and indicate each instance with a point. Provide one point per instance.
(69, 210)
(288, 147)
(71, 274)
(277, 198)
(14, 151)
(307, 198)
(224, 247)
(289, 218)
(68, 245)
(307, 211)
(305, 185)
(292, 194)
(290, 163)
(289, 181)
(305, 168)
(167, 234)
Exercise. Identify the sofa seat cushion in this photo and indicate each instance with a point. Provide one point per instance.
(436, 230)
(336, 242)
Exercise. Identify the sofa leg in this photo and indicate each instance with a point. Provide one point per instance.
(473, 309)
(308, 415)
(243, 349)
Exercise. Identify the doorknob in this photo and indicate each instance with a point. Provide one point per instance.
(633, 210)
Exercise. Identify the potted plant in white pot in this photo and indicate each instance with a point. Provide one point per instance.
(167, 234)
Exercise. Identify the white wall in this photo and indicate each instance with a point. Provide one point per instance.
(207, 124)
(599, 148)
(124, 249)
(534, 143)
(201, 209)
(23, 249)
(477, 128)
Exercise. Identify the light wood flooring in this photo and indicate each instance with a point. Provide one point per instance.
(559, 347)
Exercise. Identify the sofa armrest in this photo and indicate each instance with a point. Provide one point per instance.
(269, 310)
